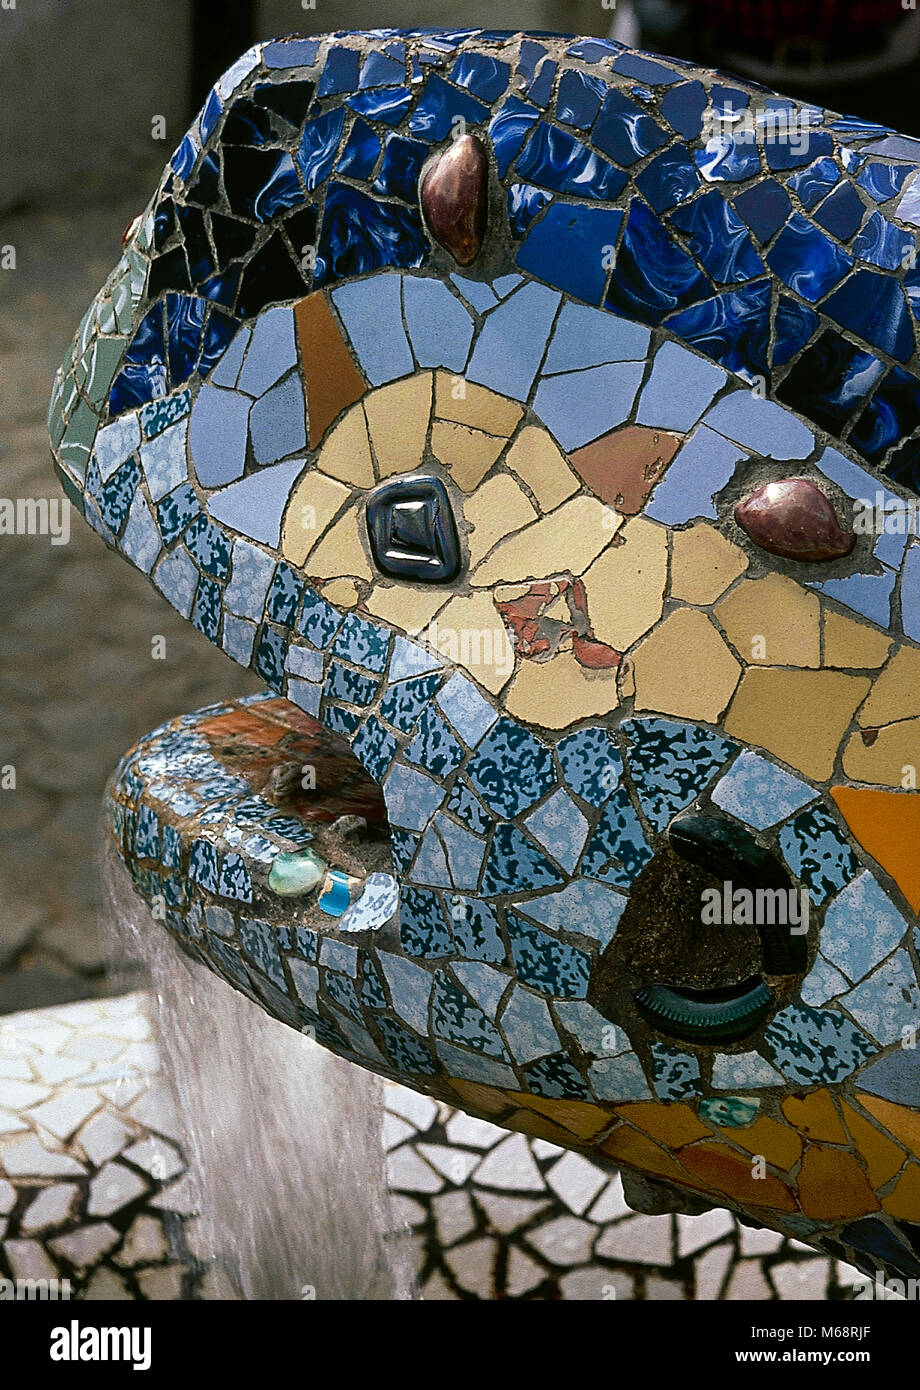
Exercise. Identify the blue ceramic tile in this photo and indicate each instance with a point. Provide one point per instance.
(759, 793)
(217, 435)
(303, 661)
(512, 769)
(671, 763)
(702, 468)
(468, 808)
(255, 505)
(422, 927)
(525, 201)
(541, 88)
(806, 260)
(624, 131)
(291, 53)
(271, 352)
(360, 234)
(430, 864)
(514, 864)
(644, 69)
(251, 575)
(908, 209)
(530, 55)
(554, 159)
(830, 381)
(464, 852)
(556, 1077)
(456, 1018)
(410, 988)
(403, 703)
(811, 1047)
(340, 72)
(873, 306)
(883, 244)
(577, 407)
(764, 207)
(411, 797)
(209, 547)
(277, 422)
(861, 927)
(589, 233)
(579, 97)
(653, 275)
(761, 425)
(868, 594)
(888, 1001)
(361, 151)
(786, 154)
(238, 639)
(586, 337)
(549, 965)
(486, 77)
(440, 328)
(437, 107)
(374, 746)
(892, 414)
(894, 1077)
(679, 390)
(676, 1074)
(141, 540)
(115, 443)
(591, 909)
(818, 853)
(910, 594)
(511, 344)
(618, 1078)
(882, 180)
(508, 130)
(793, 325)
(409, 659)
(731, 328)
(591, 764)
(814, 182)
(434, 746)
(683, 108)
(560, 828)
(372, 314)
(841, 213)
(381, 71)
(526, 1023)
(474, 927)
(176, 577)
(401, 167)
(718, 238)
(728, 160)
(822, 984)
(670, 178)
(617, 849)
(478, 295)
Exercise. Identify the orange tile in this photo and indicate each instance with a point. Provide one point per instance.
(626, 1145)
(579, 1116)
(717, 1167)
(887, 825)
(904, 1201)
(779, 1144)
(486, 1100)
(674, 1124)
(904, 1124)
(881, 1155)
(833, 1186)
(815, 1116)
(539, 1127)
(332, 379)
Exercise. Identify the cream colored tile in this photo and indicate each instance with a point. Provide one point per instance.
(566, 541)
(801, 716)
(557, 693)
(703, 564)
(346, 453)
(468, 453)
(893, 756)
(341, 592)
(496, 508)
(625, 585)
(410, 608)
(397, 417)
(469, 404)
(773, 622)
(852, 645)
(471, 633)
(314, 502)
(341, 553)
(896, 692)
(541, 465)
(684, 668)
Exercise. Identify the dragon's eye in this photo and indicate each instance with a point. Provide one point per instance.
(411, 529)
(793, 518)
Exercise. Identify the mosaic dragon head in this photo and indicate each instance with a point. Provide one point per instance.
(539, 419)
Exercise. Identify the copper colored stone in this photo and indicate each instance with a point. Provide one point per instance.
(793, 518)
(455, 198)
(622, 467)
(332, 380)
(596, 656)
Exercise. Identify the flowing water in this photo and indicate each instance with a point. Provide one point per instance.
(284, 1139)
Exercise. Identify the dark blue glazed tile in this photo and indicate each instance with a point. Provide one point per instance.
(814, 182)
(206, 612)
(626, 132)
(361, 152)
(881, 180)
(512, 769)
(782, 154)
(439, 104)
(486, 77)
(291, 53)
(205, 187)
(164, 223)
(375, 747)
(247, 124)
(806, 260)
(359, 234)
(508, 130)
(319, 621)
(683, 107)
(270, 657)
(143, 374)
(408, 1053)
(727, 100)
(818, 854)
(617, 849)
(401, 167)
(793, 325)
(209, 547)
(175, 511)
(169, 272)
(340, 71)
(593, 50)
(653, 276)
(764, 207)
(728, 160)
(184, 320)
(197, 246)
(873, 306)
(591, 764)
(546, 963)
(554, 159)
(434, 746)
(904, 466)
(318, 147)
(669, 179)
(474, 927)
(457, 1019)
(289, 102)
(210, 115)
(644, 69)
(891, 415)
(671, 763)
(541, 88)
(403, 703)
(387, 104)
(718, 238)
(231, 237)
(218, 332)
(363, 643)
(524, 203)
(556, 1078)
(579, 97)
(283, 596)
(183, 161)
(422, 927)
(732, 328)
(380, 70)
(260, 183)
(829, 382)
(530, 55)
(340, 721)
(841, 213)
(467, 807)
(883, 244)
(587, 232)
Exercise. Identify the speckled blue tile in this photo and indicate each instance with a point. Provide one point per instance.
(759, 793)
(811, 1046)
(888, 1001)
(861, 927)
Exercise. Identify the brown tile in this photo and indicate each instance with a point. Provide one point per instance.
(622, 467)
(833, 1186)
(718, 1168)
(815, 1116)
(333, 382)
(903, 1123)
(580, 1116)
(636, 1150)
(779, 1144)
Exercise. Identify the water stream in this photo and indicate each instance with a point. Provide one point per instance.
(283, 1139)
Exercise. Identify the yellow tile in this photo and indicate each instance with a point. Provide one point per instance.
(470, 633)
(397, 417)
(495, 509)
(314, 502)
(832, 1185)
(625, 585)
(684, 668)
(636, 1150)
(881, 1155)
(778, 1143)
(627, 681)
(703, 564)
(903, 1202)
(468, 453)
(903, 1123)
(815, 1116)
(800, 716)
(566, 541)
(715, 1165)
(673, 1124)
(346, 453)
(884, 761)
(772, 622)
(580, 1116)
(341, 552)
(539, 1127)
(853, 646)
(409, 607)
(342, 592)
(896, 692)
(487, 1100)
(468, 404)
(558, 692)
(541, 465)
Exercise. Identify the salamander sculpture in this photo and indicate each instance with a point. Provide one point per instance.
(539, 419)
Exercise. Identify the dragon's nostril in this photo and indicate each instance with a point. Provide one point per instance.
(793, 518)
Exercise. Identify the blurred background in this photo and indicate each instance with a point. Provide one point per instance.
(86, 85)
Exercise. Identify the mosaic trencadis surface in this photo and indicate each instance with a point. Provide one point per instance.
(537, 418)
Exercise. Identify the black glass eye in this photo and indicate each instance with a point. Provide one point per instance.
(411, 529)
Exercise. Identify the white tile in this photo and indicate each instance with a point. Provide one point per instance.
(575, 1181)
(419, 1110)
(156, 1157)
(64, 1114)
(565, 1241)
(145, 1243)
(103, 1137)
(806, 1279)
(642, 1239)
(408, 1172)
(453, 1216)
(694, 1232)
(29, 1260)
(395, 1130)
(596, 1284)
(507, 1214)
(7, 1197)
(112, 1188)
(163, 1284)
(711, 1270)
(511, 1166)
(86, 1245)
(523, 1275)
(51, 1207)
(473, 1265)
(29, 1159)
(106, 1286)
(758, 1242)
(16, 1095)
(747, 1283)
(478, 1134)
(453, 1164)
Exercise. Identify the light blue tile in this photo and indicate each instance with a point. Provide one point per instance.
(680, 388)
(472, 1066)
(464, 852)
(743, 1071)
(255, 505)
(165, 461)
(430, 863)
(238, 639)
(618, 1078)
(377, 904)
(510, 347)
(481, 297)
(217, 435)
(470, 714)
(177, 579)
(410, 659)
(439, 326)
(822, 984)
(505, 284)
(910, 594)
(577, 407)
(272, 352)
(586, 337)
(700, 469)
(305, 696)
(861, 927)
(560, 828)
(250, 576)
(595, 1034)
(761, 425)
(304, 661)
(584, 906)
(339, 955)
(277, 422)
(410, 989)
(115, 443)
(372, 315)
(868, 594)
(141, 540)
(527, 1026)
(482, 982)
(760, 793)
(856, 482)
(227, 370)
(411, 797)
(888, 1001)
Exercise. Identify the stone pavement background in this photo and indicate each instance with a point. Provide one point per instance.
(78, 684)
